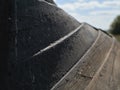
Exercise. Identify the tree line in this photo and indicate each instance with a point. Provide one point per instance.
(115, 26)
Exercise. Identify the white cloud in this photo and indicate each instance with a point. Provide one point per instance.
(94, 12)
(99, 21)
(113, 4)
(105, 12)
(80, 4)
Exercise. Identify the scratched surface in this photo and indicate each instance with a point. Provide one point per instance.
(98, 69)
(41, 45)
(35, 26)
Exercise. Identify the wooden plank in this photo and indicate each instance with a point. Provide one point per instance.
(82, 73)
(109, 76)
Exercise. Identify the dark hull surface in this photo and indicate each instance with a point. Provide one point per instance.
(44, 48)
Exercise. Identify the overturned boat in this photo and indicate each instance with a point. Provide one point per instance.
(44, 48)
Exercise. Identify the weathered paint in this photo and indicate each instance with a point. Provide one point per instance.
(44, 48)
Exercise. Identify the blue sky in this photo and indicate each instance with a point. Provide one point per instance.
(99, 13)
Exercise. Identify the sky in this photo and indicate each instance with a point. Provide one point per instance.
(98, 13)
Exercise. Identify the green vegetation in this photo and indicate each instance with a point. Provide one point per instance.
(115, 27)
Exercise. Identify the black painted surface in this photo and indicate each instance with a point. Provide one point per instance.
(30, 26)
(39, 24)
(6, 10)
(43, 71)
